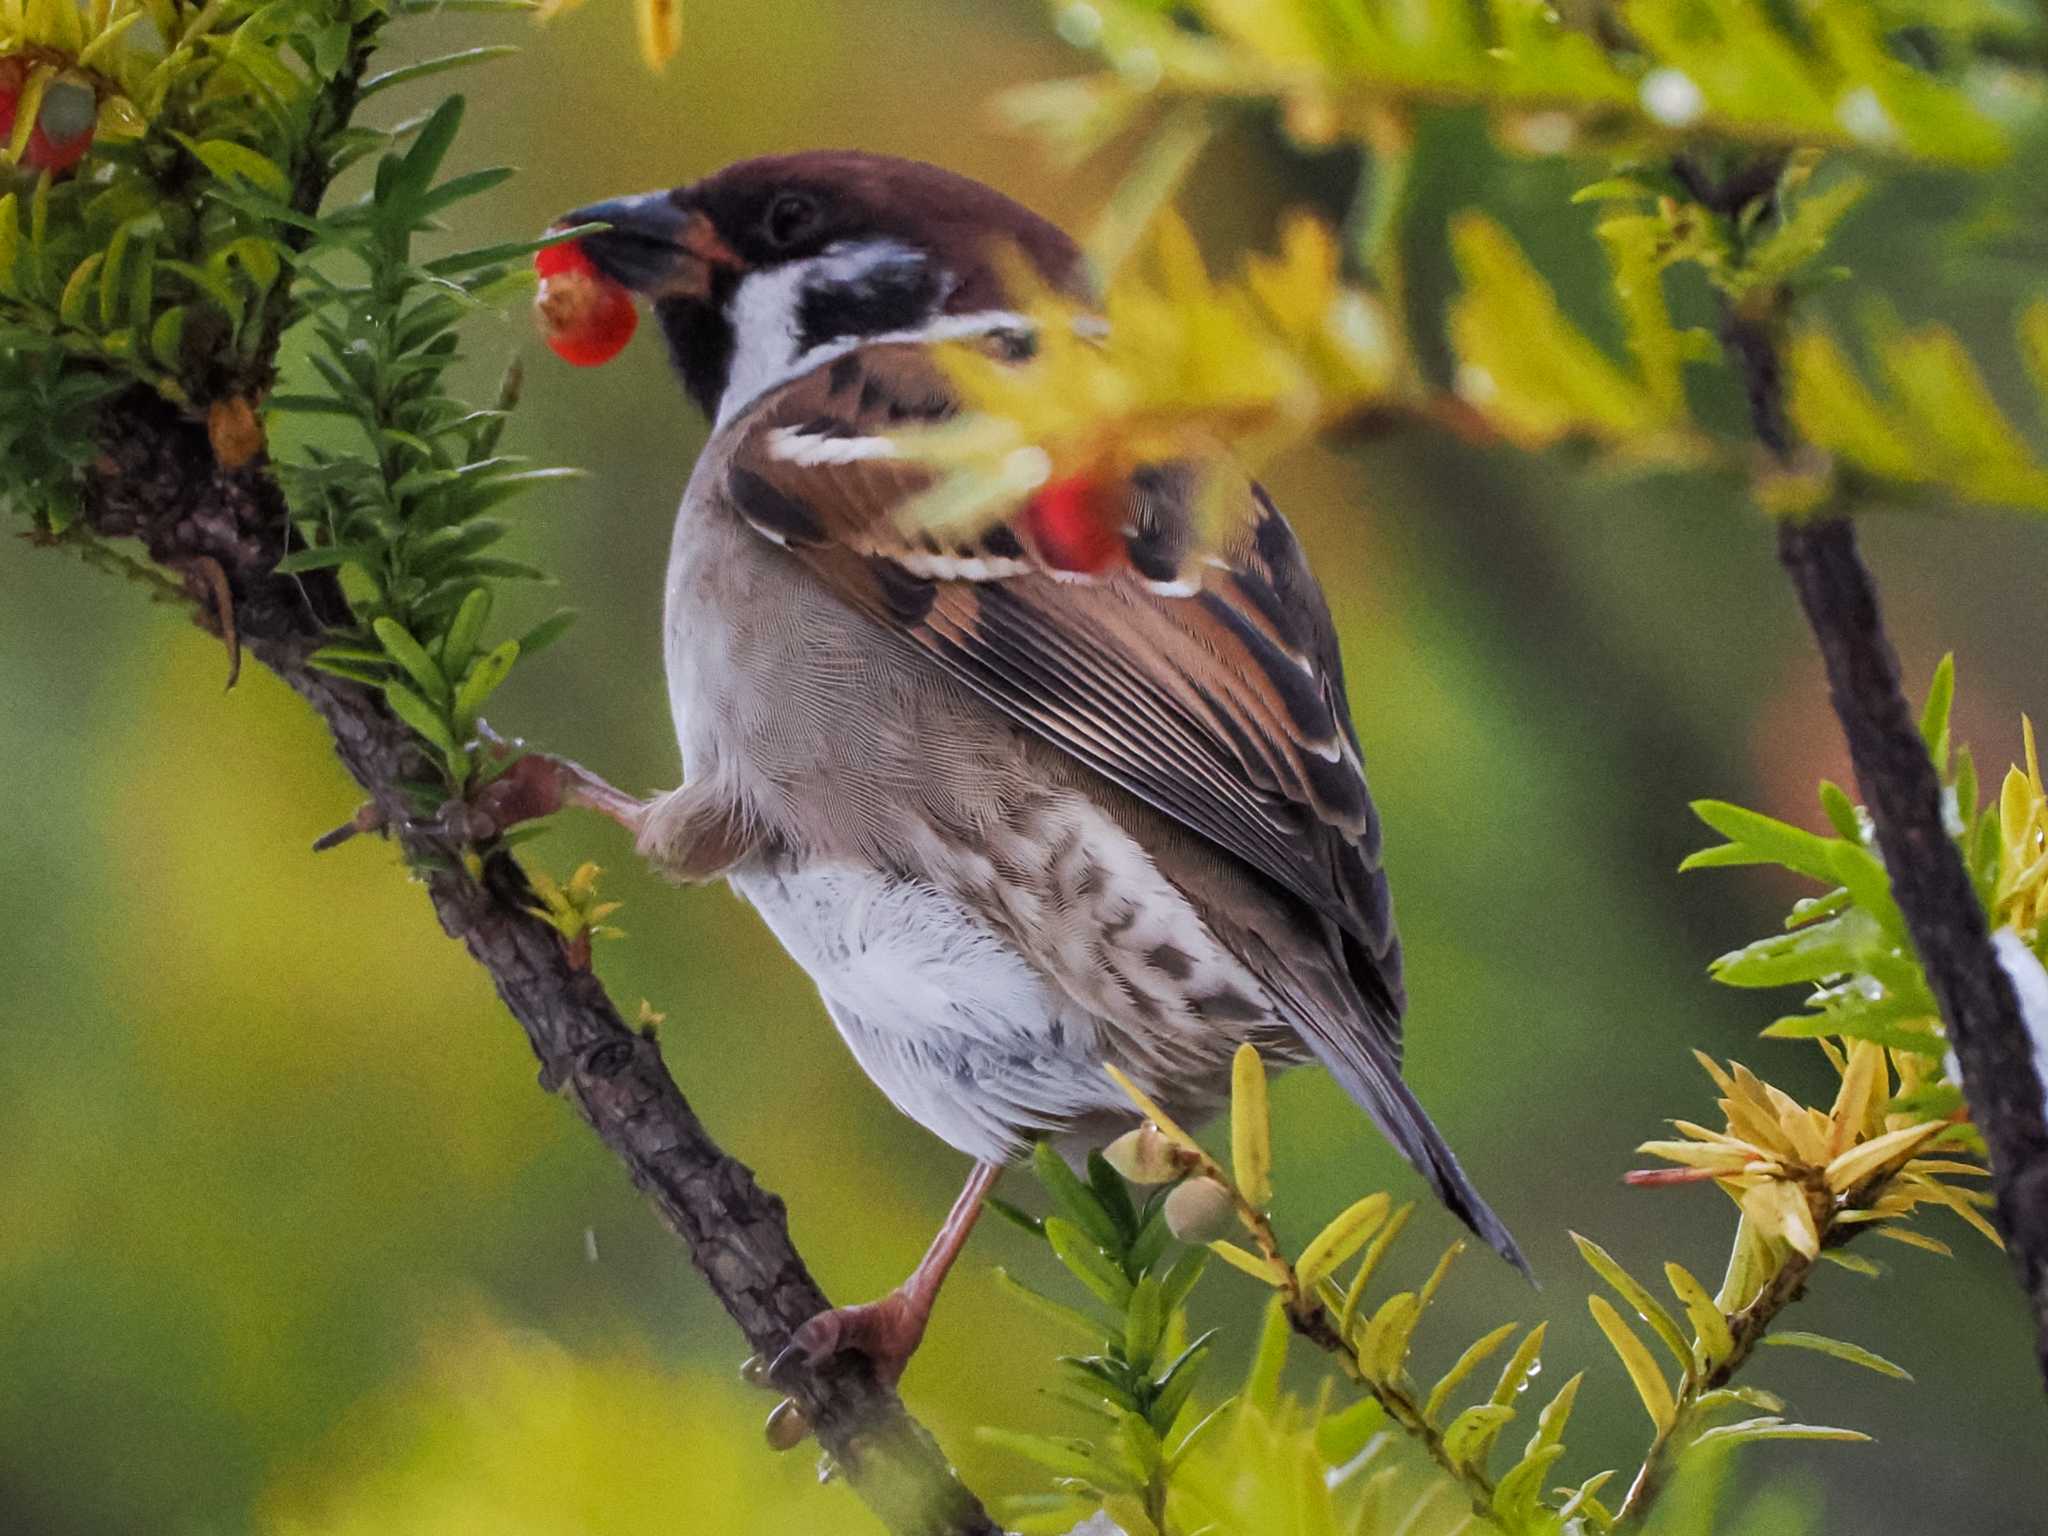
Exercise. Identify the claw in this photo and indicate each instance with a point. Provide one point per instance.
(533, 787)
(886, 1331)
(787, 1428)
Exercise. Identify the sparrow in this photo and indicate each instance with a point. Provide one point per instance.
(1018, 822)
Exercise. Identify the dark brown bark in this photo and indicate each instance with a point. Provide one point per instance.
(1904, 796)
(157, 481)
(1933, 889)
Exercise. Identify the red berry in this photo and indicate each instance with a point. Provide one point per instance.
(585, 316)
(64, 124)
(1073, 521)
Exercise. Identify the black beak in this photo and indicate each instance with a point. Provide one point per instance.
(657, 245)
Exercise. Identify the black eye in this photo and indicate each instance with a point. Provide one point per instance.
(790, 217)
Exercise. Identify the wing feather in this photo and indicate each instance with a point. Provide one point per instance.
(1204, 679)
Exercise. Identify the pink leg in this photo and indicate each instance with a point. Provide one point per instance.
(888, 1331)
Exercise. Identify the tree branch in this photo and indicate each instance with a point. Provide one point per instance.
(1904, 795)
(157, 480)
(1932, 888)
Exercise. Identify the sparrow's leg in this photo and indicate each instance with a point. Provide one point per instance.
(888, 1331)
(690, 834)
(539, 785)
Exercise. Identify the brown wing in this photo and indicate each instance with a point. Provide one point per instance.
(1206, 681)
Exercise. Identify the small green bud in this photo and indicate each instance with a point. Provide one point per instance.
(1144, 1156)
(1199, 1211)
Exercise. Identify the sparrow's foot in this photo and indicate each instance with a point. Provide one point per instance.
(536, 784)
(886, 1331)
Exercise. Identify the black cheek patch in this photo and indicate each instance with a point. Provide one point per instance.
(776, 514)
(896, 296)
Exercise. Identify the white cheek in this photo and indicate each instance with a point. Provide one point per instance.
(763, 316)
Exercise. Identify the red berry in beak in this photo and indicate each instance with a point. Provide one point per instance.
(585, 317)
(1073, 522)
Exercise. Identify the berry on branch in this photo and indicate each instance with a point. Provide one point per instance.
(64, 124)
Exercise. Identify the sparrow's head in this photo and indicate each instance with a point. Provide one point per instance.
(771, 266)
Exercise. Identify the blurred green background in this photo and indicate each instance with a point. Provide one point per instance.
(289, 1242)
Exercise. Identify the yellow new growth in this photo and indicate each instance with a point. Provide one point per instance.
(1930, 420)
(85, 48)
(1251, 1127)
(2021, 899)
(1174, 366)
(659, 23)
(1538, 378)
(1798, 1171)
(572, 908)
(1732, 68)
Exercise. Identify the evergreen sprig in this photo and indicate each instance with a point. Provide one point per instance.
(1806, 1180)
(404, 512)
(1141, 1368)
(183, 252)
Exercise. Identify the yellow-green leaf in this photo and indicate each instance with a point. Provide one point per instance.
(1636, 1295)
(1470, 1438)
(1384, 1347)
(1912, 1239)
(1474, 1356)
(1642, 1370)
(1329, 1248)
(1522, 1366)
(237, 162)
(1251, 1129)
(1251, 1263)
(1715, 1343)
(1375, 1250)
(1750, 1265)
(78, 290)
(1841, 1349)
(1524, 364)
(1773, 1428)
